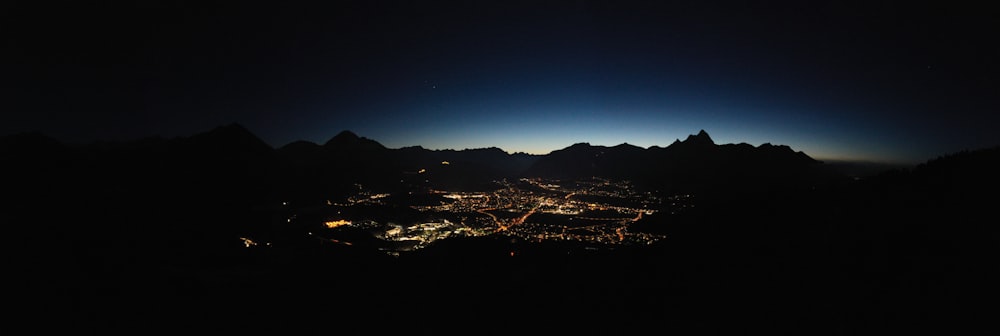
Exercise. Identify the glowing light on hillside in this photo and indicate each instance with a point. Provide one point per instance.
(336, 223)
(248, 242)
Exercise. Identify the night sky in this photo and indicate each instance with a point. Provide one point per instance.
(883, 81)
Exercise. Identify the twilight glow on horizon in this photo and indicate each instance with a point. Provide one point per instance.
(836, 80)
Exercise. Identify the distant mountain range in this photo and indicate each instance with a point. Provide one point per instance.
(230, 162)
(305, 168)
(694, 163)
(691, 163)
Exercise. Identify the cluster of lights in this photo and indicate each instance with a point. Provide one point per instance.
(486, 213)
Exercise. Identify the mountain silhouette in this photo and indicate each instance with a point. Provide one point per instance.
(702, 139)
(696, 163)
(349, 142)
(123, 235)
(303, 169)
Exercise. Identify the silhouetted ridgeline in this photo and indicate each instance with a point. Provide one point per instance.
(696, 164)
(122, 236)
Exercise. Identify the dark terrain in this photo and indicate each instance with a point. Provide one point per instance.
(142, 236)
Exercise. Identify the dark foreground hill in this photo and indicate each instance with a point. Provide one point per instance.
(115, 238)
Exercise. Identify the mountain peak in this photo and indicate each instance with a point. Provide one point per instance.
(626, 146)
(346, 135)
(347, 139)
(231, 134)
(701, 138)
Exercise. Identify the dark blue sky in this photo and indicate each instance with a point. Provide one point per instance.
(883, 81)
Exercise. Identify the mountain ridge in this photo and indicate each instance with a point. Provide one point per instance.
(304, 167)
(349, 155)
(166, 219)
(346, 137)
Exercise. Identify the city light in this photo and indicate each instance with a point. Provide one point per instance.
(336, 223)
(597, 212)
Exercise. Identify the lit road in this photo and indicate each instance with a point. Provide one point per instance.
(530, 212)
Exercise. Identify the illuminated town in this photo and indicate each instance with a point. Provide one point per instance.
(598, 213)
